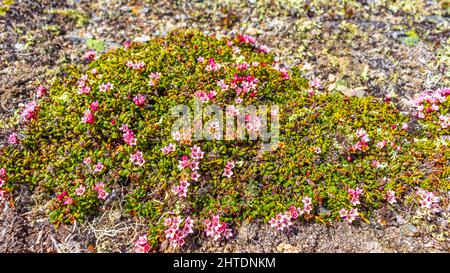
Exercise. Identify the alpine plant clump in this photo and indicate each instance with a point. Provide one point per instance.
(107, 128)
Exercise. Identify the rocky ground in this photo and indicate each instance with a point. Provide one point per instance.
(372, 47)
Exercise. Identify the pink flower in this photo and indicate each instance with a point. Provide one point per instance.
(194, 165)
(141, 245)
(137, 158)
(29, 112)
(135, 65)
(84, 90)
(175, 233)
(200, 59)
(184, 162)
(351, 216)
(80, 190)
(212, 66)
(405, 126)
(2, 182)
(284, 73)
(168, 149)
(217, 229)
(381, 144)
(128, 137)
(361, 133)
(88, 117)
(90, 55)
(106, 86)
(41, 91)
(428, 200)
(223, 86)
(294, 212)
(317, 150)
(13, 139)
(195, 176)
(87, 161)
(176, 136)
(228, 169)
(343, 213)
(68, 200)
(139, 100)
(247, 39)
(94, 106)
(2, 173)
(229, 43)
(154, 78)
(98, 167)
(196, 153)
(354, 195)
(99, 186)
(181, 189)
(155, 75)
(2, 195)
(242, 66)
(315, 84)
(390, 197)
(102, 194)
(264, 49)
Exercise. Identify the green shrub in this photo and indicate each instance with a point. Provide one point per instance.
(317, 156)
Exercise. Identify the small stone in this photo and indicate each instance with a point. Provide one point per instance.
(400, 220)
(141, 39)
(410, 230)
(19, 46)
(287, 248)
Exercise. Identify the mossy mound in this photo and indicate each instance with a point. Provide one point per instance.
(329, 143)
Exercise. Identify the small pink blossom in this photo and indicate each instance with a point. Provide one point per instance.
(68, 200)
(98, 167)
(135, 65)
(196, 153)
(390, 197)
(2, 195)
(354, 195)
(195, 176)
(137, 158)
(94, 106)
(87, 161)
(169, 149)
(13, 139)
(41, 91)
(184, 162)
(106, 87)
(200, 59)
(428, 200)
(128, 136)
(88, 117)
(264, 49)
(90, 55)
(127, 44)
(175, 233)
(30, 111)
(381, 144)
(139, 100)
(212, 66)
(80, 190)
(141, 245)
(217, 229)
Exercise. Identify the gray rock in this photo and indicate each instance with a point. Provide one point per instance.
(19, 46)
(410, 230)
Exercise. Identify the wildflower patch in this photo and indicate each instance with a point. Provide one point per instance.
(107, 127)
